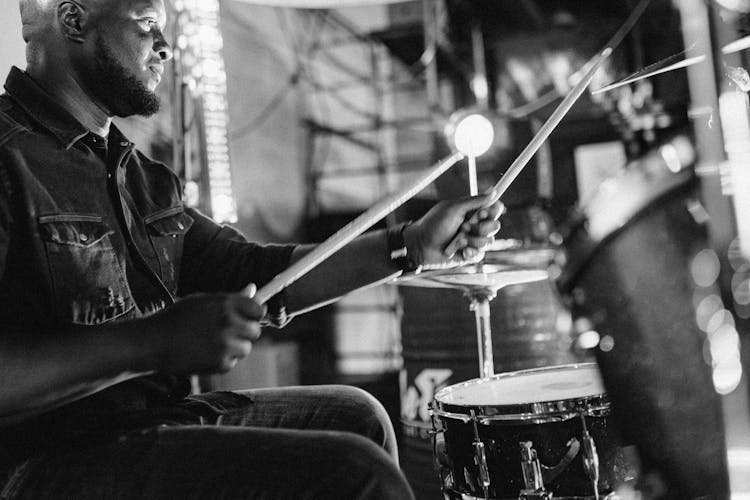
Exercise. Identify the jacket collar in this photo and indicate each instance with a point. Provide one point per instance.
(43, 109)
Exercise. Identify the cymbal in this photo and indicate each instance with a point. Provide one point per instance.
(474, 276)
(509, 252)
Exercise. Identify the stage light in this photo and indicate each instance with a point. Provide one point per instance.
(742, 6)
(200, 44)
(470, 133)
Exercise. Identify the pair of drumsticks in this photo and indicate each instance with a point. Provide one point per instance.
(382, 208)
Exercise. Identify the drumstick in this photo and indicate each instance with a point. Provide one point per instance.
(390, 203)
(730, 48)
(554, 119)
(352, 230)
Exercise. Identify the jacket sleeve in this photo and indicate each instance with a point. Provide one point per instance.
(5, 217)
(218, 258)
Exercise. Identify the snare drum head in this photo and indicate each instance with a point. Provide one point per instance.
(523, 391)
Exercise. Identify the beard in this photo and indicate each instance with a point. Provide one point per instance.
(120, 91)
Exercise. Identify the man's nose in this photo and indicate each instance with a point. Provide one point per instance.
(162, 48)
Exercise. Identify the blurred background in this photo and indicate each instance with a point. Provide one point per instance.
(289, 118)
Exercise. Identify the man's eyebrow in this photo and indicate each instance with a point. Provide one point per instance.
(151, 13)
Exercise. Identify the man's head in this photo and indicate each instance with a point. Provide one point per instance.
(113, 49)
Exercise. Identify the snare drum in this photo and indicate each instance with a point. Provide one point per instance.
(545, 429)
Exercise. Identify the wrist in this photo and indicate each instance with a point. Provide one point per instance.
(403, 248)
(133, 344)
(145, 343)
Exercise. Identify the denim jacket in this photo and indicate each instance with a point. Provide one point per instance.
(86, 241)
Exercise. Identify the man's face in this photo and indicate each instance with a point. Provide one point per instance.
(129, 51)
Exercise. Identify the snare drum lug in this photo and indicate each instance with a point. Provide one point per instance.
(532, 470)
(480, 458)
(590, 458)
(532, 475)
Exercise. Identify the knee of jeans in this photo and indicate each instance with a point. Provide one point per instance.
(369, 412)
(370, 472)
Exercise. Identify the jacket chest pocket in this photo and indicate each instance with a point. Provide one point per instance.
(167, 229)
(88, 279)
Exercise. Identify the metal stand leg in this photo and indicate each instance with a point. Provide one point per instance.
(480, 304)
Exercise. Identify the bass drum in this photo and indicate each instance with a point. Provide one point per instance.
(439, 336)
(629, 273)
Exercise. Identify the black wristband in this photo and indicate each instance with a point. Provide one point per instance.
(397, 251)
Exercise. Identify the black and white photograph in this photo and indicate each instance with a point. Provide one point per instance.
(374, 249)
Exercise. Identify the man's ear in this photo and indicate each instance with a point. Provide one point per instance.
(72, 17)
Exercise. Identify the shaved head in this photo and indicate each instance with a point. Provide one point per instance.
(36, 15)
(111, 51)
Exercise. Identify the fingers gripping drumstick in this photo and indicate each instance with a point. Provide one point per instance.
(390, 203)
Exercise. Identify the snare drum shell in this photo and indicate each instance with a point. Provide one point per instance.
(548, 425)
(550, 440)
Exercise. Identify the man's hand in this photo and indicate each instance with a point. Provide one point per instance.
(454, 232)
(205, 333)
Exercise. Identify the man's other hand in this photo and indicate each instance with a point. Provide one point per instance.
(205, 333)
(454, 232)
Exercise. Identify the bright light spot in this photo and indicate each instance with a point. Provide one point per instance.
(607, 343)
(200, 43)
(706, 309)
(223, 208)
(479, 87)
(727, 376)
(473, 135)
(705, 268)
(671, 157)
(564, 321)
(736, 258)
(588, 339)
(739, 76)
(739, 457)
(719, 319)
(735, 5)
(192, 194)
(725, 344)
(741, 288)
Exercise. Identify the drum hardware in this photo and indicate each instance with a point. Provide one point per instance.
(439, 453)
(480, 305)
(550, 473)
(485, 422)
(532, 474)
(480, 284)
(590, 458)
(480, 458)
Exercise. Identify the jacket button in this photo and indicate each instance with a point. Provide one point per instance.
(180, 225)
(84, 238)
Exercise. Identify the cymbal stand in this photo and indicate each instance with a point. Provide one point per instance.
(480, 304)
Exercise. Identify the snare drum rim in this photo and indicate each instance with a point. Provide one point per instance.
(536, 412)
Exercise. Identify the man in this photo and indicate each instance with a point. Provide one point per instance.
(113, 292)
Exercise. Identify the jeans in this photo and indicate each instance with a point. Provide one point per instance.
(324, 442)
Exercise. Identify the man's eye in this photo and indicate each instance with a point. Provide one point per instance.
(147, 24)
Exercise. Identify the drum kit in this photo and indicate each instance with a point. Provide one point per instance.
(548, 432)
(530, 434)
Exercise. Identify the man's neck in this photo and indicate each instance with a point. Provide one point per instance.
(71, 96)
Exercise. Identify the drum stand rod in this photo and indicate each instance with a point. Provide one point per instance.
(480, 304)
(590, 458)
